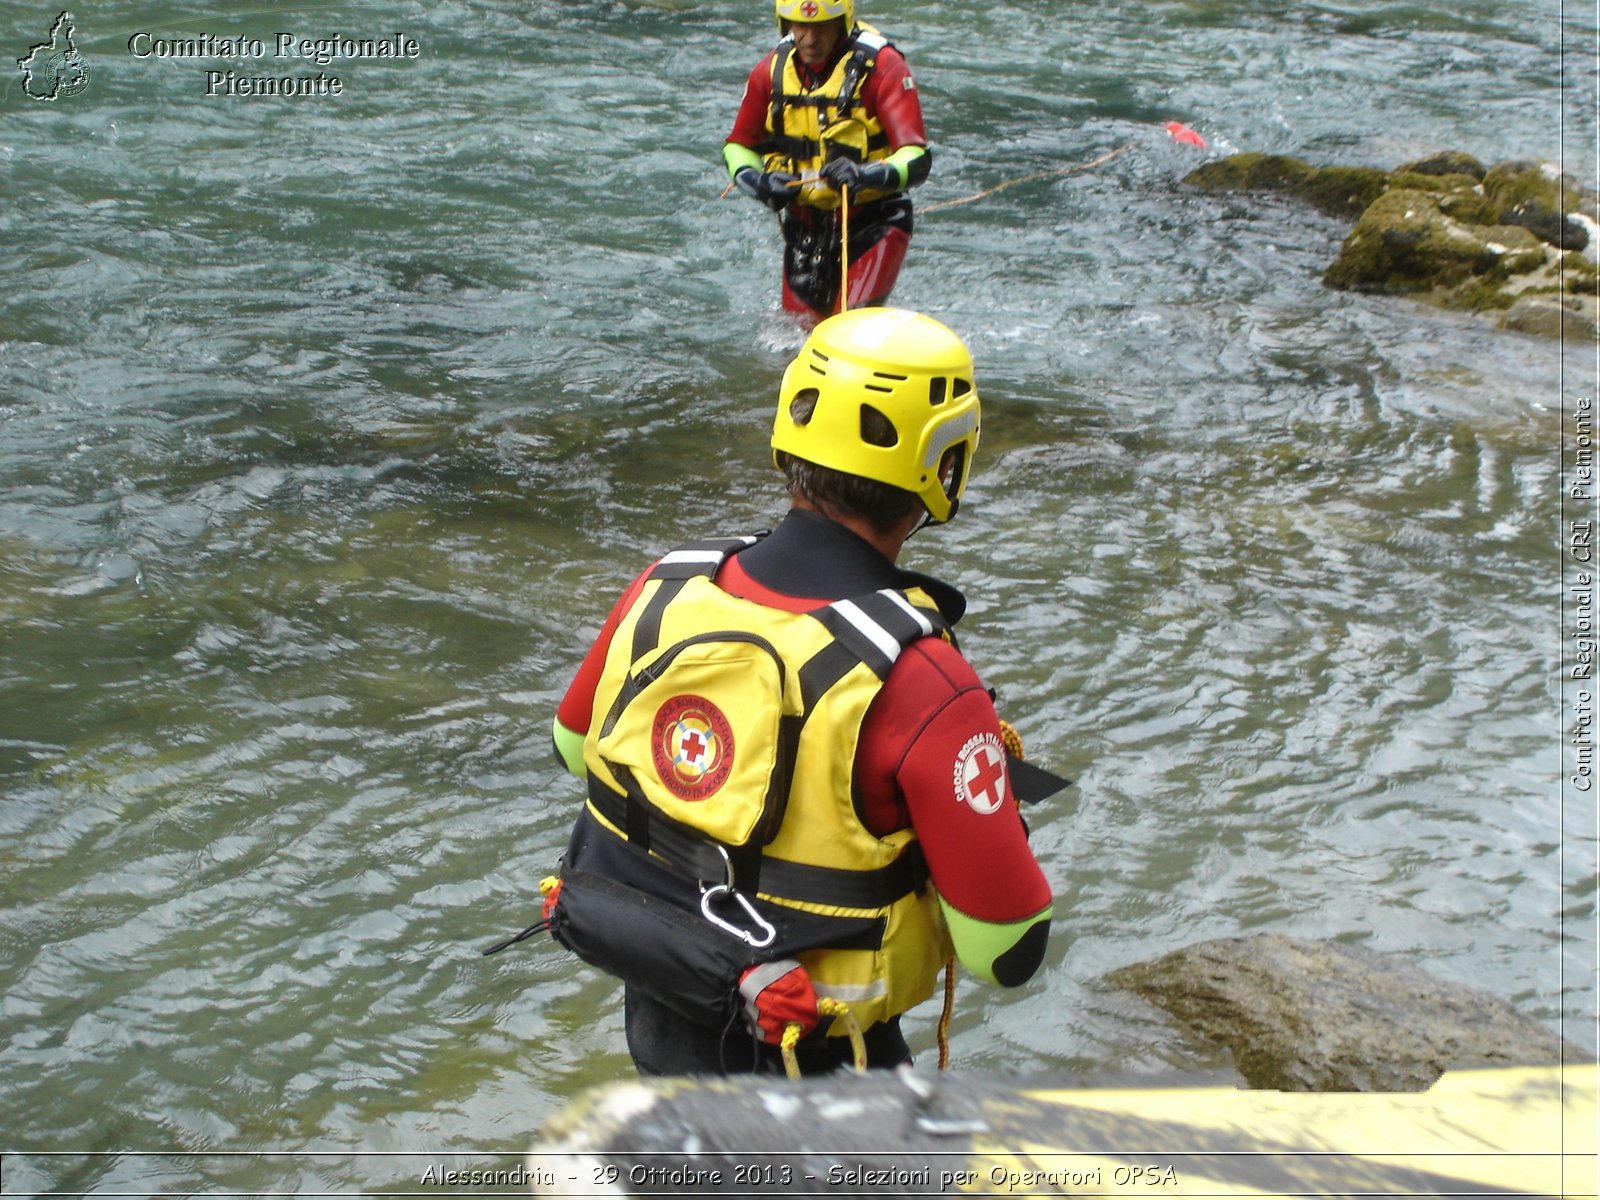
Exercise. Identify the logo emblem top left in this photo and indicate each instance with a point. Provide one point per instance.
(53, 69)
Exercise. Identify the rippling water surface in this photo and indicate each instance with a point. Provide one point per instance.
(329, 428)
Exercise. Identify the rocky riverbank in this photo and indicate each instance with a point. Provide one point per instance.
(1518, 241)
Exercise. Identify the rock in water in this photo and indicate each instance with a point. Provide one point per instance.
(1326, 1016)
(1516, 239)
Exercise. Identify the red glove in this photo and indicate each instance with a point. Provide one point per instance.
(776, 995)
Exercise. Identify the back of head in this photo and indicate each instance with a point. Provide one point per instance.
(883, 395)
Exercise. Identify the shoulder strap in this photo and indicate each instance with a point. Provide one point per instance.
(689, 561)
(780, 63)
(863, 57)
(878, 626)
(871, 629)
(699, 558)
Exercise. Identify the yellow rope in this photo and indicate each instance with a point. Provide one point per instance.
(791, 1035)
(830, 1007)
(1011, 739)
(944, 1017)
(1000, 187)
(844, 248)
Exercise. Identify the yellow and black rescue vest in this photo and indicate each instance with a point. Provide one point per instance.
(724, 743)
(808, 127)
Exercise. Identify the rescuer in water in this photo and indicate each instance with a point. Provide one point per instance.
(832, 112)
(800, 806)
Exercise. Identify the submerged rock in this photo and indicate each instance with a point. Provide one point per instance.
(1325, 1016)
(1516, 238)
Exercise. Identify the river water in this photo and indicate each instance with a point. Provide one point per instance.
(330, 426)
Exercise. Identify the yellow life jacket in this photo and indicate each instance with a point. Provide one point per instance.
(724, 740)
(808, 127)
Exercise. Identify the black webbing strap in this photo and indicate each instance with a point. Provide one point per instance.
(862, 60)
(780, 61)
(691, 853)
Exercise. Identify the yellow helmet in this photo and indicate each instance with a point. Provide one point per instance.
(807, 11)
(884, 394)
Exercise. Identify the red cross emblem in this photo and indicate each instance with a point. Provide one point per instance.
(693, 747)
(808, 10)
(980, 773)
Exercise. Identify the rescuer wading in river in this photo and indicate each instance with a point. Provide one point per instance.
(798, 799)
(833, 108)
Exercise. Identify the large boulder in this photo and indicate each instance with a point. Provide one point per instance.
(1515, 239)
(1327, 1016)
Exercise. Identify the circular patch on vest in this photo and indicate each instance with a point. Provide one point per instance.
(693, 747)
(980, 774)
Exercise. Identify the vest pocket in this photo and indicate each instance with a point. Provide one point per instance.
(701, 732)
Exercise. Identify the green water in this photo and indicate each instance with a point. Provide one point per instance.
(330, 427)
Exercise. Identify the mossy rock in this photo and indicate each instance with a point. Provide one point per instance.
(1445, 230)
(1581, 275)
(1337, 191)
(1460, 195)
(1405, 243)
(1517, 251)
(1513, 183)
(1446, 162)
(1250, 173)
(1571, 317)
(1342, 191)
(1538, 199)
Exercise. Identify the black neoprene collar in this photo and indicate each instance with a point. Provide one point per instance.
(808, 555)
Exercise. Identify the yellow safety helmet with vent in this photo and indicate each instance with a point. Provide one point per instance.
(885, 394)
(809, 11)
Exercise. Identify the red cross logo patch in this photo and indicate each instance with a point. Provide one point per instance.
(980, 773)
(693, 747)
(808, 10)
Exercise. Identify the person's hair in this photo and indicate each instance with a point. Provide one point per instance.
(881, 504)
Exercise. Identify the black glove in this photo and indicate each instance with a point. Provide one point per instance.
(773, 188)
(843, 173)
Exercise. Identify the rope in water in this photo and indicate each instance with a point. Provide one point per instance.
(1000, 187)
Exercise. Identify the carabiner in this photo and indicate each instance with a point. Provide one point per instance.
(745, 935)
